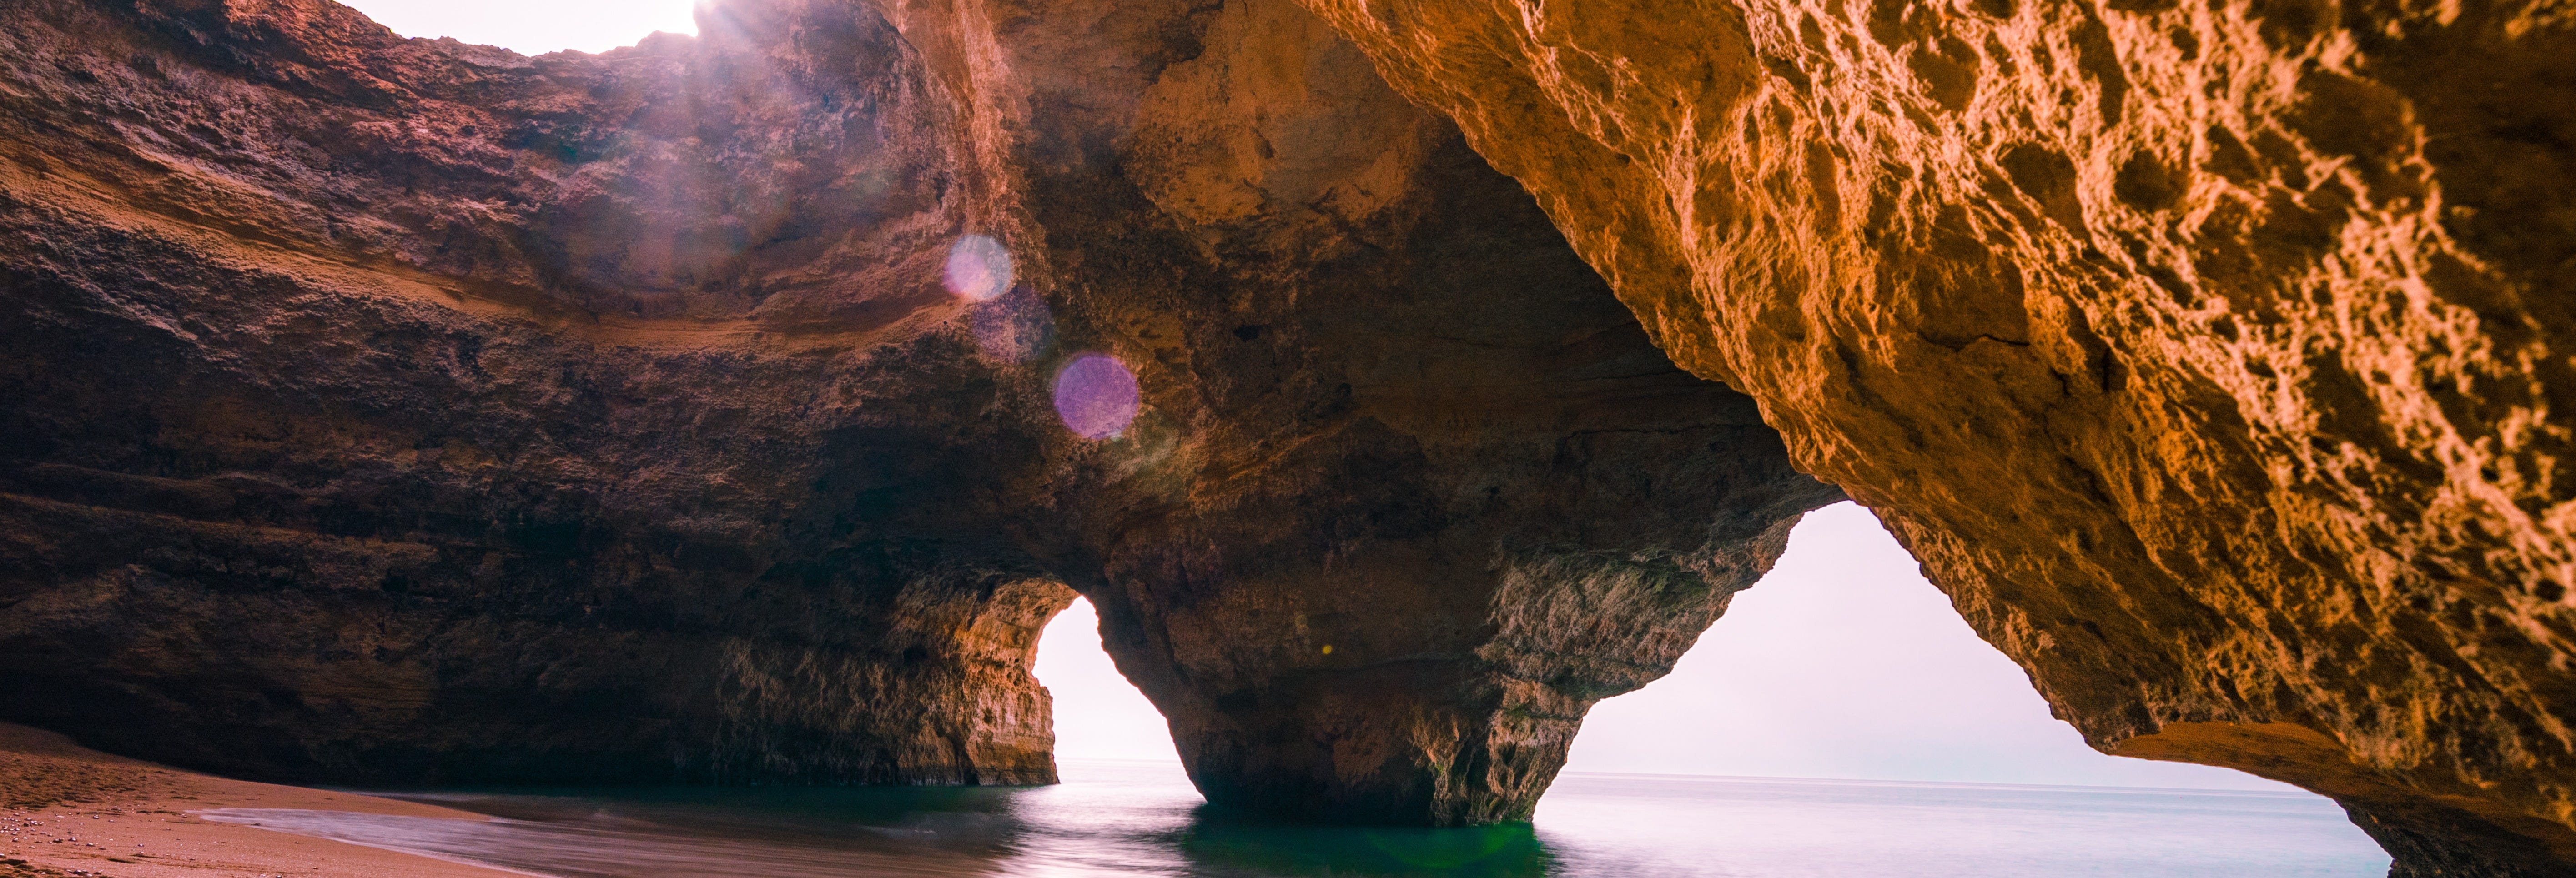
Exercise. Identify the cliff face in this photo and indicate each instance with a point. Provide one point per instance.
(384, 410)
(2214, 358)
(735, 408)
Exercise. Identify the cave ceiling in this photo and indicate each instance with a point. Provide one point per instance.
(1398, 379)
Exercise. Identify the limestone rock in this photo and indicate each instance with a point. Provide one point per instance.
(1411, 490)
(400, 410)
(385, 410)
(2215, 358)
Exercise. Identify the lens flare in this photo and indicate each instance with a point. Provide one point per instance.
(1096, 396)
(979, 268)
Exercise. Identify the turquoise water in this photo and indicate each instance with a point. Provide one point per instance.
(1112, 818)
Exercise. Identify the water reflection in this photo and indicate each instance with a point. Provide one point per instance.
(1218, 843)
(1136, 819)
(1144, 819)
(640, 832)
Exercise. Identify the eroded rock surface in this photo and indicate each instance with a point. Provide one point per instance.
(389, 409)
(385, 410)
(1413, 491)
(2214, 357)
(380, 409)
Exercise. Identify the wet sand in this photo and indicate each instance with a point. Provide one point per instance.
(66, 810)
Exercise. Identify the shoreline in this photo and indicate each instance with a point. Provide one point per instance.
(67, 810)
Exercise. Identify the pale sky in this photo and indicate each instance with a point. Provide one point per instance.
(1843, 663)
(534, 27)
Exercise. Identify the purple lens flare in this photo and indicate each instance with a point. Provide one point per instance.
(1096, 396)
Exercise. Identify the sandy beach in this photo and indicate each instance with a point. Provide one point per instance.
(66, 810)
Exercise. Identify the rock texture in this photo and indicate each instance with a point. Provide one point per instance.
(2214, 357)
(1413, 490)
(383, 410)
(398, 410)
(379, 409)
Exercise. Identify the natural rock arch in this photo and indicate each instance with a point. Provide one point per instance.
(427, 411)
(549, 457)
(2211, 356)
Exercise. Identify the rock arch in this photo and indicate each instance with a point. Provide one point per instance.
(421, 410)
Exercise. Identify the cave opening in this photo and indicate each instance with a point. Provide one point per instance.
(488, 613)
(1843, 683)
(1844, 662)
(1099, 715)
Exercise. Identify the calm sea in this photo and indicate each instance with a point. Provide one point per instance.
(1111, 818)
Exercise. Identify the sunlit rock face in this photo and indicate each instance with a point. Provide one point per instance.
(736, 408)
(2214, 357)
